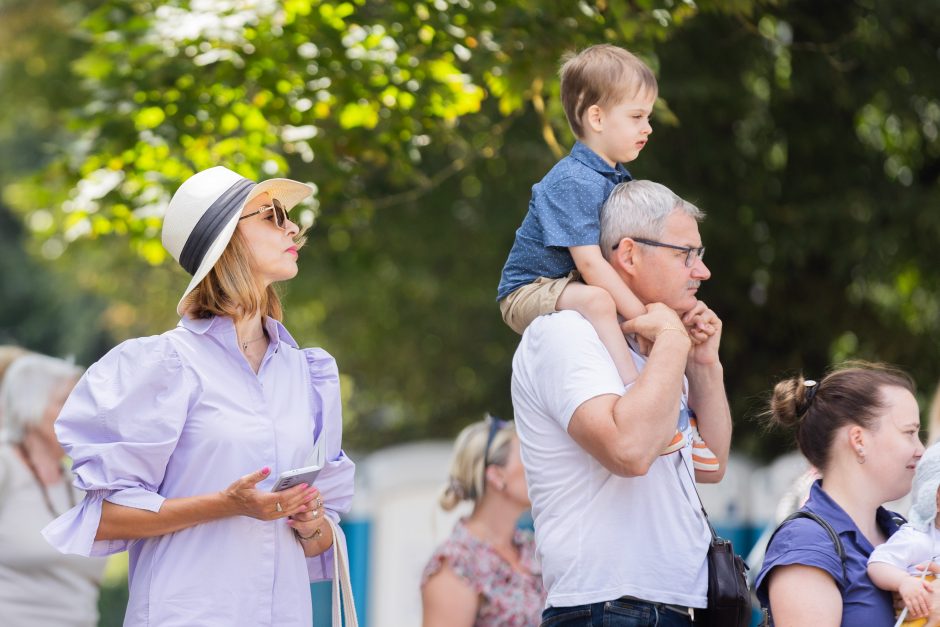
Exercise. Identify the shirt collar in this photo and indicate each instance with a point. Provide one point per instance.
(221, 326)
(821, 503)
(591, 159)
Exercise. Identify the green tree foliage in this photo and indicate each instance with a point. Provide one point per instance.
(808, 132)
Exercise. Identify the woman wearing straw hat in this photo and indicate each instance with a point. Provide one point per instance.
(177, 439)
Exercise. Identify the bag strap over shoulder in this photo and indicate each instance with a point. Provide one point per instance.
(836, 541)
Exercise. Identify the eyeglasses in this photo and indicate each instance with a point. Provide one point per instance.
(280, 213)
(692, 254)
(496, 425)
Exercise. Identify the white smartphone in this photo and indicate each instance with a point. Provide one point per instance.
(290, 478)
(307, 474)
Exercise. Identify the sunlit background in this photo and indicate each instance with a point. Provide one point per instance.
(808, 132)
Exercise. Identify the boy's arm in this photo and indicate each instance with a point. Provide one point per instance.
(596, 271)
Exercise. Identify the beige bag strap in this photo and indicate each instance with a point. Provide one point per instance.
(342, 587)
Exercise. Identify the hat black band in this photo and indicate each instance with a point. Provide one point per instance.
(211, 224)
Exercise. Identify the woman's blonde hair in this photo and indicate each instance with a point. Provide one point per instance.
(231, 288)
(467, 472)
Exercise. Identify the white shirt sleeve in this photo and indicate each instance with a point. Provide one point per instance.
(905, 549)
(573, 366)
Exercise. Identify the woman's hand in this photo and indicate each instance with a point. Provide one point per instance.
(311, 527)
(247, 500)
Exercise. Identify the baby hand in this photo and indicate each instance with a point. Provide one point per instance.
(916, 594)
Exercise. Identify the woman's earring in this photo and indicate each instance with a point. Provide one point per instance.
(860, 453)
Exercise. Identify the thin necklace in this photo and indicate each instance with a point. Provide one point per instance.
(247, 342)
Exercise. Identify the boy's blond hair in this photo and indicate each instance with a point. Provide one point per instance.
(601, 75)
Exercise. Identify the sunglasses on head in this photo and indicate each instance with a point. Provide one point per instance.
(279, 212)
(495, 426)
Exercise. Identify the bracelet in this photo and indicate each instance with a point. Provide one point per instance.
(671, 328)
(313, 536)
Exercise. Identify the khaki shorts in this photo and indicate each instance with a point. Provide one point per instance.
(538, 298)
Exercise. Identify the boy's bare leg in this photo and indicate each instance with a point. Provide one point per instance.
(595, 304)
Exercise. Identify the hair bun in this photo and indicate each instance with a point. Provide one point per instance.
(790, 400)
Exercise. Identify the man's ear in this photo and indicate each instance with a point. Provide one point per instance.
(594, 118)
(625, 255)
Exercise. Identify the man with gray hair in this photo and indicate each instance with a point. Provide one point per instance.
(617, 525)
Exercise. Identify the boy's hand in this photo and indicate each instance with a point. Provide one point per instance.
(657, 318)
(917, 595)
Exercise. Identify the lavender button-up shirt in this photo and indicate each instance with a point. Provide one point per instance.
(183, 414)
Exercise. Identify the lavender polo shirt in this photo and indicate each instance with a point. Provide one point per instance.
(182, 414)
(804, 541)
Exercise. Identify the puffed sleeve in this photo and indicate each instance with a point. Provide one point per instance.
(335, 481)
(120, 425)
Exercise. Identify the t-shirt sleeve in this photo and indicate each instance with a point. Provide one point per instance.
(569, 212)
(574, 366)
(802, 541)
(906, 548)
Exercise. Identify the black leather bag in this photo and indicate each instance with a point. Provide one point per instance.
(729, 602)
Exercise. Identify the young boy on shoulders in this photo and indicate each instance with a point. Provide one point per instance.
(555, 262)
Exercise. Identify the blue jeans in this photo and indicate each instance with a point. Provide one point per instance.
(618, 613)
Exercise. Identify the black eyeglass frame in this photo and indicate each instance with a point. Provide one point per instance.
(280, 213)
(699, 251)
(496, 425)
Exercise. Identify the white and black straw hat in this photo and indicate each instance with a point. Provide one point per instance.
(204, 211)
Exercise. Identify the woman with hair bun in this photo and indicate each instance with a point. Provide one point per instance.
(486, 573)
(860, 426)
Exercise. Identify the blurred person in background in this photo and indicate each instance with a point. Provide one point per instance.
(8, 353)
(38, 585)
(486, 574)
(178, 438)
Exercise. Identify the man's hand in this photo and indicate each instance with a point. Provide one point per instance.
(705, 326)
(698, 329)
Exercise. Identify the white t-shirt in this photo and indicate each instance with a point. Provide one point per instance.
(599, 536)
(908, 547)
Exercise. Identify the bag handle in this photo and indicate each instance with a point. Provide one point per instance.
(836, 541)
(343, 605)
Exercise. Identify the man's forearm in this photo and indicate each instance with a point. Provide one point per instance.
(646, 414)
(708, 400)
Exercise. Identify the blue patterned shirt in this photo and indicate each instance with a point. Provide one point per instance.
(564, 211)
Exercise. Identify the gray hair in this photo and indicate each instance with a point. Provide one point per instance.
(640, 209)
(27, 386)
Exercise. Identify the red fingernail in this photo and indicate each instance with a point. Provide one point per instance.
(265, 470)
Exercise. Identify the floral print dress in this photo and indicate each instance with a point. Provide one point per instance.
(508, 598)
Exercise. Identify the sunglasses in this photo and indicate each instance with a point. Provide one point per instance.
(496, 425)
(280, 213)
